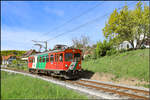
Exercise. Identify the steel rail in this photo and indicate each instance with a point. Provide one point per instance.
(119, 87)
(112, 91)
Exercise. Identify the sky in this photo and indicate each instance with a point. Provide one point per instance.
(24, 21)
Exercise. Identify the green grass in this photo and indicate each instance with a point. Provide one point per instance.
(128, 64)
(15, 86)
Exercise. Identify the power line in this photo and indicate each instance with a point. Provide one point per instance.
(82, 25)
(75, 17)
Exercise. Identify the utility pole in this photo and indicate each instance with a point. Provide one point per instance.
(40, 45)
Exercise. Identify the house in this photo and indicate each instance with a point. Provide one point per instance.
(28, 53)
(126, 44)
(8, 59)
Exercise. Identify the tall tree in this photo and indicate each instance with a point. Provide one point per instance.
(128, 25)
(141, 20)
(81, 43)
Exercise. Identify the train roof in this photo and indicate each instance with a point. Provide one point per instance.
(52, 51)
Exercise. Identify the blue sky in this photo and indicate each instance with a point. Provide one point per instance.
(23, 21)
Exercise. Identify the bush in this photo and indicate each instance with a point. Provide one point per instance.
(111, 52)
(94, 56)
(87, 57)
(122, 50)
(143, 47)
(103, 47)
(14, 62)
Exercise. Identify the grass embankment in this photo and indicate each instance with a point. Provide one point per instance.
(128, 64)
(15, 86)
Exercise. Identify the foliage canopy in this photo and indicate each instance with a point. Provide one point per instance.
(128, 25)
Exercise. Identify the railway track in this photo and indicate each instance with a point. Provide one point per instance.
(111, 89)
(130, 93)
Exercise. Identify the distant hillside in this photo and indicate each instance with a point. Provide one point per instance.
(128, 64)
(15, 52)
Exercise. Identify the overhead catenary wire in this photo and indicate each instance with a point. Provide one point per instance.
(74, 18)
(82, 25)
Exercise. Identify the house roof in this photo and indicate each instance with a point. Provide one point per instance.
(7, 57)
(28, 53)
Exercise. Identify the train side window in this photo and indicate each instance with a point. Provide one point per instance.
(55, 57)
(43, 58)
(33, 60)
(40, 59)
(61, 57)
(47, 58)
(29, 60)
(51, 58)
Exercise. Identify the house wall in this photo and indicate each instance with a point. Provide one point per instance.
(9, 61)
(5, 62)
(125, 43)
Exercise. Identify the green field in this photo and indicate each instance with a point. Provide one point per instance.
(15, 86)
(128, 64)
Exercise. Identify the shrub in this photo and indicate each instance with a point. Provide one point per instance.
(87, 57)
(14, 62)
(103, 47)
(122, 50)
(111, 52)
(143, 47)
(94, 56)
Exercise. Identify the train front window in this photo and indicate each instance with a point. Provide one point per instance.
(77, 57)
(68, 57)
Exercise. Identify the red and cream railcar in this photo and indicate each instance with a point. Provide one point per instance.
(66, 62)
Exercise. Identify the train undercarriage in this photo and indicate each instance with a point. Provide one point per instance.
(70, 74)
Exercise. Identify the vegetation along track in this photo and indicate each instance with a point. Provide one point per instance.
(121, 90)
(107, 88)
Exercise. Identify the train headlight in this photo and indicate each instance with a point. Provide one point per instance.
(66, 65)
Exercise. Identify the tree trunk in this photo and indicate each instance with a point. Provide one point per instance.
(140, 42)
(132, 44)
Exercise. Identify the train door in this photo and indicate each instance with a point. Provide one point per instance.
(56, 61)
(52, 66)
(39, 62)
(60, 61)
(43, 62)
(34, 62)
